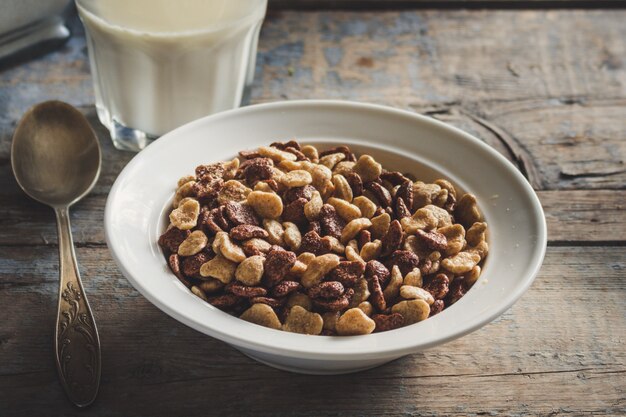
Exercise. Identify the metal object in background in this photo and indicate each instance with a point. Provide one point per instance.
(26, 24)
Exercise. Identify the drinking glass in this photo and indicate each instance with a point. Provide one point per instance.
(157, 64)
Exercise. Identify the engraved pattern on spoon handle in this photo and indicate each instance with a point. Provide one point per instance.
(77, 345)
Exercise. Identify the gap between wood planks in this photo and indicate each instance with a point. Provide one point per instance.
(395, 378)
(594, 243)
(470, 375)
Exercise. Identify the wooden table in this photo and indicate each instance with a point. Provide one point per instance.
(546, 88)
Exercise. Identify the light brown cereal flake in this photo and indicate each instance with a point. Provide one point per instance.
(185, 216)
(256, 246)
(299, 299)
(321, 176)
(476, 233)
(219, 268)
(367, 168)
(318, 268)
(266, 205)
(353, 255)
(310, 152)
(424, 194)
(230, 169)
(409, 292)
(482, 249)
(185, 190)
(263, 186)
(344, 168)
(413, 278)
(332, 159)
(198, 292)
(313, 207)
(361, 293)
(344, 209)
(466, 211)
(413, 311)
(472, 276)
(461, 262)
(299, 320)
(298, 269)
(306, 257)
(367, 308)
(367, 206)
(371, 250)
(380, 225)
(442, 216)
(422, 219)
(184, 180)
(455, 236)
(292, 236)
(250, 270)
(263, 315)
(354, 322)
(353, 228)
(193, 244)
(210, 285)
(276, 154)
(335, 245)
(446, 185)
(392, 290)
(296, 178)
(342, 188)
(224, 245)
(275, 231)
(233, 190)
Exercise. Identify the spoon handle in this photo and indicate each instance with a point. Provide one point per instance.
(77, 345)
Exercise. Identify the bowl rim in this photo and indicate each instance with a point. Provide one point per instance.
(299, 346)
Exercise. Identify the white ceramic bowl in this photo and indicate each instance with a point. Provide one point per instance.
(141, 196)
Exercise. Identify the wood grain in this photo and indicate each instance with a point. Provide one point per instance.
(566, 332)
(585, 216)
(546, 88)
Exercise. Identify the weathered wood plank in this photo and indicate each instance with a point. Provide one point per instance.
(437, 57)
(572, 217)
(560, 349)
(570, 156)
(585, 216)
(557, 109)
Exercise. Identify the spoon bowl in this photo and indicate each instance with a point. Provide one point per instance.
(55, 154)
(56, 160)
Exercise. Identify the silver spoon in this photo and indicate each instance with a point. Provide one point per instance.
(56, 160)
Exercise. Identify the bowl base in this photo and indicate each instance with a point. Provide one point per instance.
(300, 366)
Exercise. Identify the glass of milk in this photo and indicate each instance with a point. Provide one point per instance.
(158, 64)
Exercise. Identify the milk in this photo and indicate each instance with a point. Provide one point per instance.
(158, 64)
